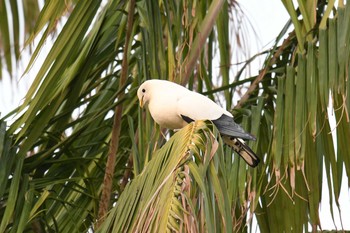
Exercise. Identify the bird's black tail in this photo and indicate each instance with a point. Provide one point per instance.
(243, 150)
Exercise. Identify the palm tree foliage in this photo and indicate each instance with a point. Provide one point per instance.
(53, 157)
(21, 22)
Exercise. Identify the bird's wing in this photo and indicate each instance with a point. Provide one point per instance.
(227, 126)
(194, 106)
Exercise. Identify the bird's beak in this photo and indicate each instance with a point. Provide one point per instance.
(141, 102)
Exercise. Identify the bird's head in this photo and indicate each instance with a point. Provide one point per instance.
(143, 93)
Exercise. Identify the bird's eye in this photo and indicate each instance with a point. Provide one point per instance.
(143, 90)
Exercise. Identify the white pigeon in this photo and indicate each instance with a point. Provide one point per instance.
(173, 106)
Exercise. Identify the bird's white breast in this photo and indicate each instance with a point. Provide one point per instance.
(163, 111)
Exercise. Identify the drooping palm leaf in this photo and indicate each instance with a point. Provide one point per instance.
(21, 22)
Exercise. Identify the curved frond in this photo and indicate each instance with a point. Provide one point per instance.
(174, 189)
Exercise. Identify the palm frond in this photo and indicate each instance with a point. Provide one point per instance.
(21, 22)
(182, 176)
(53, 157)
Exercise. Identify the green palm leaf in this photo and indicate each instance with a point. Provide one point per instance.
(166, 195)
(53, 157)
